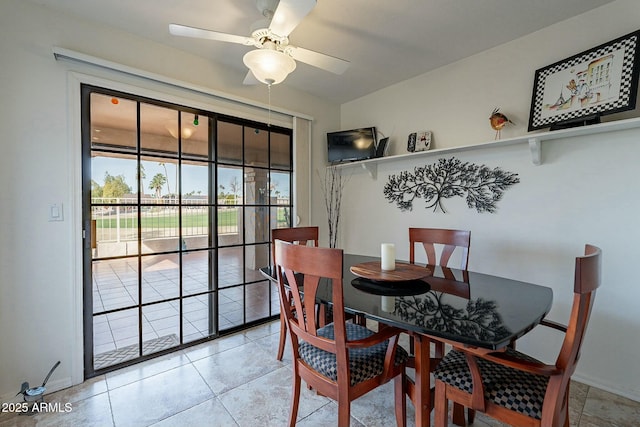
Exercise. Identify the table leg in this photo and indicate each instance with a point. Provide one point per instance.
(421, 395)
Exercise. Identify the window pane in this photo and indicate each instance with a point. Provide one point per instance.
(159, 130)
(280, 151)
(160, 179)
(115, 284)
(281, 217)
(114, 231)
(258, 301)
(229, 143)
(256, 257)
(230, 224)
(256, 150)
(198, 317)
(195, 181)
(230, 266)
(280, 188)
(113, 176)
(160, 326)
(195, 273)
(195, 209)
(231, 307)
(160, 277)
(256, 184)
(160, 229)
(195, 141)
(113, 122)
(230, 185)
(116, 338)
(256, 224)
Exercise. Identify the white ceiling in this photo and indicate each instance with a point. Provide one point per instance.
(386, 41)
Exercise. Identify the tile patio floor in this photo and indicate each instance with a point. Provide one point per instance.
(116, 335)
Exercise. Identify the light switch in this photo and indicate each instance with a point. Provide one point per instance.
(55, 212)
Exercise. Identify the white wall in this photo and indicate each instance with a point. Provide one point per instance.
(40, 306)
(586, 190)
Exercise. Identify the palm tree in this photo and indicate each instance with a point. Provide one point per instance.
(156, 184)
(141, 176)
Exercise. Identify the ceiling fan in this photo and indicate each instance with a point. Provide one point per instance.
(274, 57)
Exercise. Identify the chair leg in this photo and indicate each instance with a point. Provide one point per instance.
(457, 415)
(441, 405)
(344, 411)
(400, 383)
(283, 336)
(471, 415)
(295, 399)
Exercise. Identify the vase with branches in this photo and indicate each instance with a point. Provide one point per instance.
(332, 186)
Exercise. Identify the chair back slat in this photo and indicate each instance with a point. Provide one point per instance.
(305, 269)
(297, 235)
(587, 280)
(449, 239)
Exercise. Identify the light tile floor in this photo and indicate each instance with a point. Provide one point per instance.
(236, 381)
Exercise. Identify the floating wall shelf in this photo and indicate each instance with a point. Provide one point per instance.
(534, 140)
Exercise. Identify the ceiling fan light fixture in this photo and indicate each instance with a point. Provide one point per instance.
(269, 66)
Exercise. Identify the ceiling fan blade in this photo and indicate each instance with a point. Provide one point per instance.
(317, 59)
(288, 15)
(199, 33)
(250, 79)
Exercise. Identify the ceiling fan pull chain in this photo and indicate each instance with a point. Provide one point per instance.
(269, 119)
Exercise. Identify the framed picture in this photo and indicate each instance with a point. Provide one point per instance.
(423, 140)
(599, 81)
(419, 141)
(411, 142)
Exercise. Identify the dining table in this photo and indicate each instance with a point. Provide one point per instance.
(436, 303)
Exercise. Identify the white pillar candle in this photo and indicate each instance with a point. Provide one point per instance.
(388, 304)
(388, 256)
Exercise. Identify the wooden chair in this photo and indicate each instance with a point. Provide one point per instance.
(341, 360)
(298, 235)
(450, 241)
(513, 387)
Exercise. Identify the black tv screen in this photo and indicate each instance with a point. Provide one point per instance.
(350, 145)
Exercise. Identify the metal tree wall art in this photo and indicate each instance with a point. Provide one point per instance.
(482, 186)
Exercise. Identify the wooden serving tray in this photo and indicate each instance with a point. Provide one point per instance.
(402, 273)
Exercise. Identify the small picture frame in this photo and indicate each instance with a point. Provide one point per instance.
(411, 142)
(602, 80)
(423, 140)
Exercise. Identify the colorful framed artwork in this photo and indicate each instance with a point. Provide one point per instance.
(599, 81)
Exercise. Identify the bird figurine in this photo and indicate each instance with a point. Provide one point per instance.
(36, 393)
(498, 121)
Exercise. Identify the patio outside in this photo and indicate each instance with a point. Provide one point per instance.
(243, 296)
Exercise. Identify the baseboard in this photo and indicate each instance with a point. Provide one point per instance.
(615, 389)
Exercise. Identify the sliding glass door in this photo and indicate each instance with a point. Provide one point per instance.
(178, 204)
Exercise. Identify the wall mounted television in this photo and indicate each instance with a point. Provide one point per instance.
(351, 145)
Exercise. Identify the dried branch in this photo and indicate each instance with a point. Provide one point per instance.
(332, 187)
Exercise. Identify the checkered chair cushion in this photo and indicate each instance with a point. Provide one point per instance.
(364, 363)
(513, 389)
